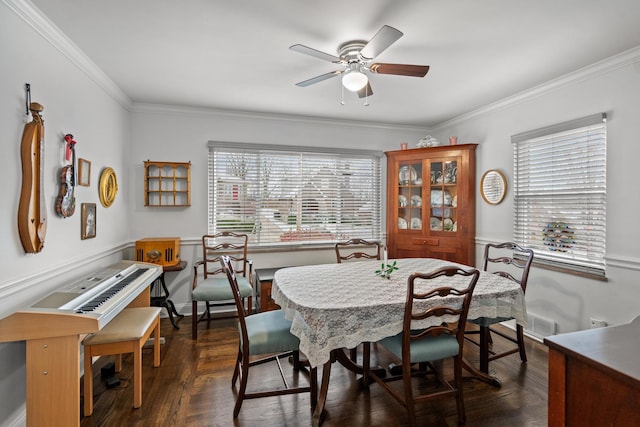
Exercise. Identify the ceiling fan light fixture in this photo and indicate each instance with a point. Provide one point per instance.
(354, 80)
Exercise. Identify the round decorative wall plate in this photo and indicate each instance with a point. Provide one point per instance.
(108, 187)
(493, 187)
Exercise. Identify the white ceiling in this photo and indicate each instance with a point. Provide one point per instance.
(234, 55)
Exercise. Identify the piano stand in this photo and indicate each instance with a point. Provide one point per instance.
(161, 298)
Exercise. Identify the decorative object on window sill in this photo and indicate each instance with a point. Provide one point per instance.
(558, 237)
(108, 187)
(493, 186)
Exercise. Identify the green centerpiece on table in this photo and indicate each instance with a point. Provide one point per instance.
(386, 269)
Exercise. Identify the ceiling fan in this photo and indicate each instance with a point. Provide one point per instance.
(356, 58)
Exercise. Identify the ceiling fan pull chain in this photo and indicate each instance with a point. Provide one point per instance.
(342, 101)
(366, 97)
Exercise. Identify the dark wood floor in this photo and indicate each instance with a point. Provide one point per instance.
(192, 387)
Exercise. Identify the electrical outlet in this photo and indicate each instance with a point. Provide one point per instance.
(597, 323)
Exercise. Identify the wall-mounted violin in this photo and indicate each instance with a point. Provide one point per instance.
(66, 201)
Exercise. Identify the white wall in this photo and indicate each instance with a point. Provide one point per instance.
(612, 87)
(109, 132)
(79, 99)
(73, 103)
(181, 135)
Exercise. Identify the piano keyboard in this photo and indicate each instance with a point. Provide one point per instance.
(96, 302)
(102, 294)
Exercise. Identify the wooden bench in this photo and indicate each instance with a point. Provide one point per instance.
(126, 333)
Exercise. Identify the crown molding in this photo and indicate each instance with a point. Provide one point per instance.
(607, 65)
(51, 33)
(254, 115)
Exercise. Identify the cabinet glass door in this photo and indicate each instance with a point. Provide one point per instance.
(410, 196)
(444, 196)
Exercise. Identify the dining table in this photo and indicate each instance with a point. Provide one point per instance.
(338, 306)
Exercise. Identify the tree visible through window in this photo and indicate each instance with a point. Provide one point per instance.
(560, 194)
(294, 195)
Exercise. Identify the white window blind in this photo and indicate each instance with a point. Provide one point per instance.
(560, 194)
(284, 195)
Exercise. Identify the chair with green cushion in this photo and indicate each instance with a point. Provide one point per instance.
(266, 333)
(513, 262)
(444, 304)
(209, 281)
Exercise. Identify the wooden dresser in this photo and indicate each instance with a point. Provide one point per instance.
(594, 377)
(263, 281)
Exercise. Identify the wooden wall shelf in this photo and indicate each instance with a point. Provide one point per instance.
(167, 184)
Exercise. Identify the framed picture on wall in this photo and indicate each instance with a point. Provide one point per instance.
(84, 172)
(88, 222)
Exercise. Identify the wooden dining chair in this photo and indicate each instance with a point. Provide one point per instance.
(209, 281)
(356, 249)
(513, 262)
(266, 333)
(445, 308)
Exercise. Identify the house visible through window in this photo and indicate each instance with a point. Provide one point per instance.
(560, 194)
(284, 195)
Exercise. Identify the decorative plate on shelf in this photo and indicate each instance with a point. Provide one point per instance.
(402, 224)
(416, 224)
(416, 201)
(407, 174)
(402, 201)
(440, 198)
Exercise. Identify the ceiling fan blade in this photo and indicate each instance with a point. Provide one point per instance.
(319, 78)
(384, 38)
(365, 91)
(400, 69)
(313, 52)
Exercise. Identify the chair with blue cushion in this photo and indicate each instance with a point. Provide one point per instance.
(513, 262)
(210, 284)
(267, 333)
(440, 299)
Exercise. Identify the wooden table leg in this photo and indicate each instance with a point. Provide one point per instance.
(482, 374)
(322, 397)
(341, 357)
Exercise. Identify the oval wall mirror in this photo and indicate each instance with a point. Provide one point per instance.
(493, 186)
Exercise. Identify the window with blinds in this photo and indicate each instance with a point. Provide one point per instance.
(560, 194)
(284, 195)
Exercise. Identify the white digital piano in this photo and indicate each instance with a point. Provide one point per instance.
(54, 326)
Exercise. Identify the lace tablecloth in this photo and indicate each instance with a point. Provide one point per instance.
(341, 305)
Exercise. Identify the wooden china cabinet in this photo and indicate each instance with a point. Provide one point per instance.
(431, 203)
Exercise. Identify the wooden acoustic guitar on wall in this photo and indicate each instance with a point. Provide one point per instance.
(32, 212)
